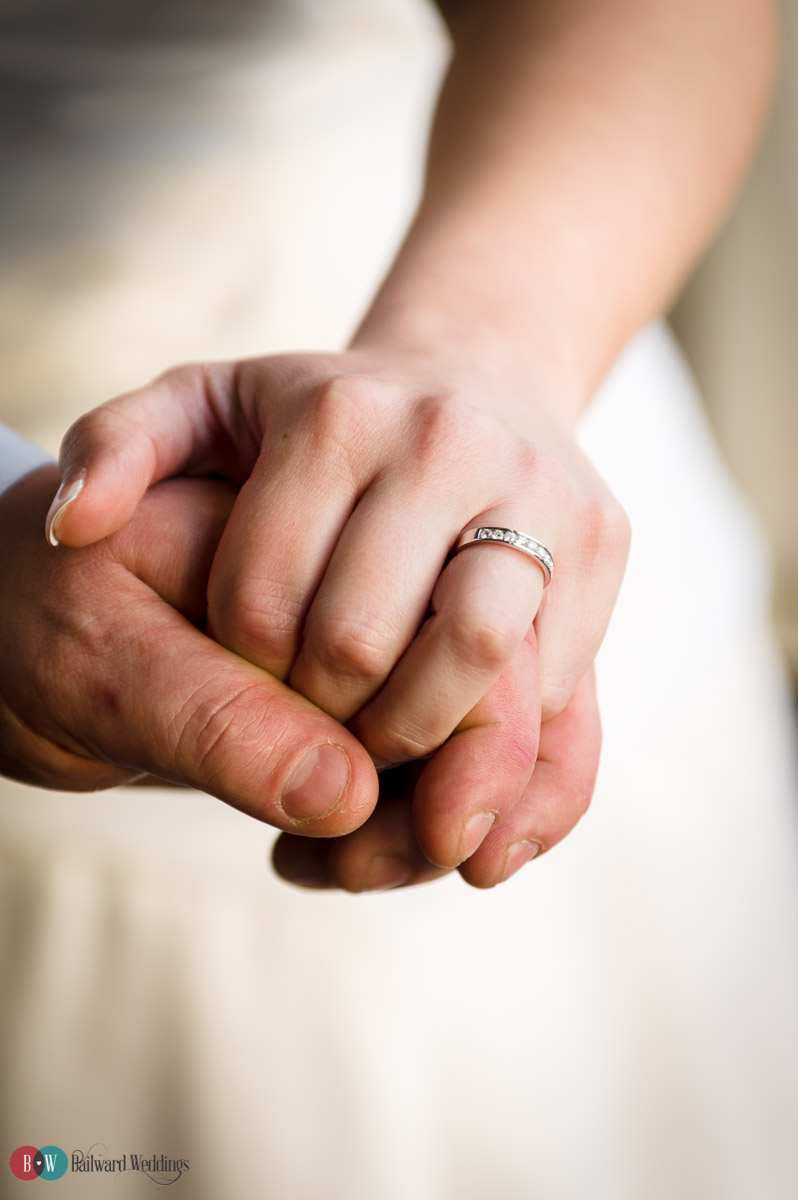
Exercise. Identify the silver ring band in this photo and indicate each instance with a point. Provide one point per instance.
(513, 538)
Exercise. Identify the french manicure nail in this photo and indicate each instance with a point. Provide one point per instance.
(476, 830)
(518, 855)
(383, 872)
(67, 492)
(317, 784)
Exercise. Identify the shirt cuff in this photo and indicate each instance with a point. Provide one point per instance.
(18, 456)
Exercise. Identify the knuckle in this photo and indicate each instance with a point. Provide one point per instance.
(125, 420)
(605, 529)
(259, 619)
(340, 403)
(183, 380)
(102, 428)
(341, 414)
(81, 430)
(354, 647)
(540, 470)
(341, 391)
(442, 418)
(447, 426)
(91, 617)
(213, 735)
(482, 638)
(401, 745)
(554, 696)
(530, 460)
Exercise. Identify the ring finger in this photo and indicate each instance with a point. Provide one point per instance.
(483, 605)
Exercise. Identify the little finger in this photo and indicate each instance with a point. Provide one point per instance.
(556, 798)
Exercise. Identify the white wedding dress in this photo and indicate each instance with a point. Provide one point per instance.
(617, 1023)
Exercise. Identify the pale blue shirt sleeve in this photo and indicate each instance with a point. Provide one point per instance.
(18, 456)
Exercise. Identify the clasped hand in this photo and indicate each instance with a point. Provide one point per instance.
(323, 562)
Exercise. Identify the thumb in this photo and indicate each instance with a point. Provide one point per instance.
(185, 709)
(128, 680)
(111, 455)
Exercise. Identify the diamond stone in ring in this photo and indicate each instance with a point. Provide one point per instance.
(514, 538)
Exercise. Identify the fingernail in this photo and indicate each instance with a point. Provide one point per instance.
(384, 872)
(475, 831)
(518, 855)
(317, 784)
(67, 492)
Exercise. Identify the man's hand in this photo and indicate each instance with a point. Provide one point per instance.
(105, 675)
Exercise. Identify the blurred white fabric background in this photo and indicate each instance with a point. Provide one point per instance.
(619, 1021)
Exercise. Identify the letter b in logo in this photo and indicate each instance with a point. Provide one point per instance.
(29, 1163)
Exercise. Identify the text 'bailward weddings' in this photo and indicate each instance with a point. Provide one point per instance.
(159, 1167)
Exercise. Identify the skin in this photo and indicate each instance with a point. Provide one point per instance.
(581, 155)
(105, 676)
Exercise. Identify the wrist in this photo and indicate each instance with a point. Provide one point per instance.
(467, 306)
(456, 347)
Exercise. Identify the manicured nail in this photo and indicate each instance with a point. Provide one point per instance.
(384, 871)
(518, 855)
(67, 492)
(476, 830)
(317, 784)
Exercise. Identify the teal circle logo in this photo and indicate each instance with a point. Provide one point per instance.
(27, 1162)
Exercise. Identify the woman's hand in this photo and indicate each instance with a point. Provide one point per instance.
(359, 471)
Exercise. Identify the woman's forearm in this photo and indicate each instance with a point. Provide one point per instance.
(581, 155)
